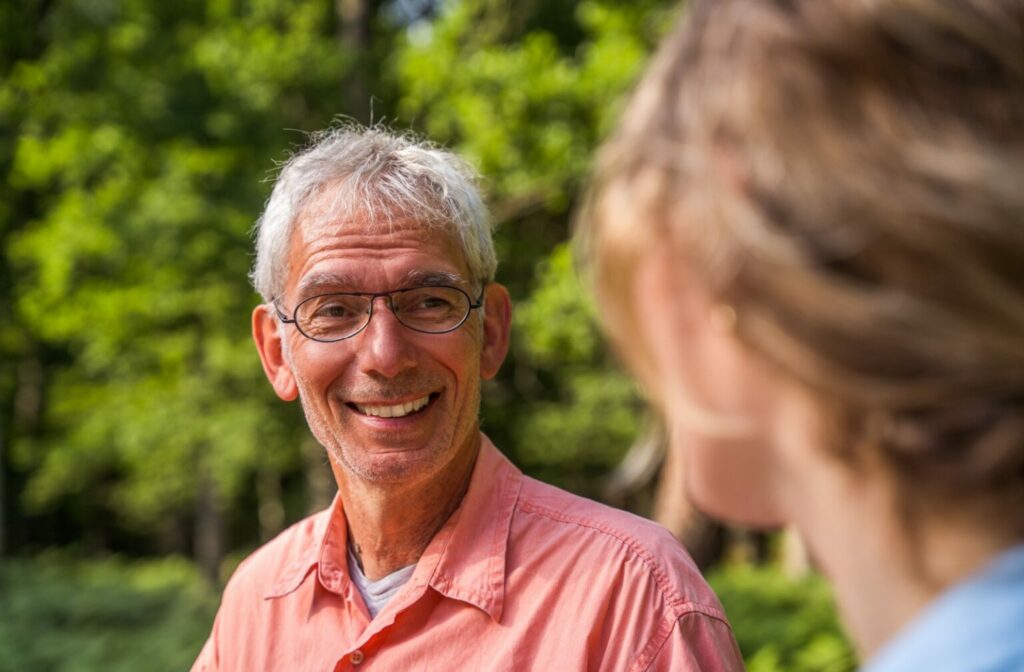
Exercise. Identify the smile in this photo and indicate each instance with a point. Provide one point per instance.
(394, 411)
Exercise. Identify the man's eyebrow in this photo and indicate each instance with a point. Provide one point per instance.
(419, 278)
(321, 280)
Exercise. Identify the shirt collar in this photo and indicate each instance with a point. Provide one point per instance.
(464, 561)
(327, 527)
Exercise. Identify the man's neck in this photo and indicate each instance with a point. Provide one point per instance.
(390, 525)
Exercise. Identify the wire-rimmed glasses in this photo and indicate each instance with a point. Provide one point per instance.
(433, 309)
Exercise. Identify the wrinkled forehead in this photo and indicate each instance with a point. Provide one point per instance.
(418, 250)
(308, 230)
(339, 206)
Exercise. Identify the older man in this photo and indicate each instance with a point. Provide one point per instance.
(380, 314)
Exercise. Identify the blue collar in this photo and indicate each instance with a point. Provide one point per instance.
(974, 626)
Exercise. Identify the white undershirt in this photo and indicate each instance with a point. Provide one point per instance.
(377, 593)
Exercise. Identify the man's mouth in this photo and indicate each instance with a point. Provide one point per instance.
(394, 410)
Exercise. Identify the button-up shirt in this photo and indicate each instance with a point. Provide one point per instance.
(523, 576)
(975, 626)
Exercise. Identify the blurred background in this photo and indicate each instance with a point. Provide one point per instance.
(142, 453)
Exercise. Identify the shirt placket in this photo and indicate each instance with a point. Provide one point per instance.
(369, 645)
(358, 658)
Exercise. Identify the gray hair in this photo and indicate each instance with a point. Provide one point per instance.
(375, 175)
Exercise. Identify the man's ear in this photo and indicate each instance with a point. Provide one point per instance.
(266, 332)
(497, 325)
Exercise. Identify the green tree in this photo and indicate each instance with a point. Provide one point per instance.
(140, 136)
(527, 92)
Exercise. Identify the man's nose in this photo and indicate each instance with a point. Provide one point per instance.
(386, 347)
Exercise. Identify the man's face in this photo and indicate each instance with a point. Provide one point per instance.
(346, 386)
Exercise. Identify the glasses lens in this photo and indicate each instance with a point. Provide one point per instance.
(431, 309)
(333, 316)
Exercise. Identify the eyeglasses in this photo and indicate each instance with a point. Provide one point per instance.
(335, 317)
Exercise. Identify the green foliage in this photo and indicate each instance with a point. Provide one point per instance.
(143, 133)
(783, 624)
(557, 323)
(61, 615)
(576, 432)
(529, 108)
(137, 136)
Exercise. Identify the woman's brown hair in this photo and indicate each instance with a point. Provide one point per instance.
(848, 177)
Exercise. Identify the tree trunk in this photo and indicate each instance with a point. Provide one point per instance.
(209, 539)
(320, 484)
(355, 32)
(28, 406)
(271, 504)
(3, 491)
(172, 537)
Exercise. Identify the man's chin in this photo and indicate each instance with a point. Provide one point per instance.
(388, 463)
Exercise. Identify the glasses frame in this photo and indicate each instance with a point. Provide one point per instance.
(373, 300)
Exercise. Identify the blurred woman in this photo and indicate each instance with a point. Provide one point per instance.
(807, 239)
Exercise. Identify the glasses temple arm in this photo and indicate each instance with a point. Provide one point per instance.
(281, 316)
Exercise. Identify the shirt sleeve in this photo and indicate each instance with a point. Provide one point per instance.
(698, 643)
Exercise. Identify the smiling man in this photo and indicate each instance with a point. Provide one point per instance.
(381, 315)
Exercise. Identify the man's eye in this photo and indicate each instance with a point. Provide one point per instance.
(335, 309)
(426, 302)
(434, 302)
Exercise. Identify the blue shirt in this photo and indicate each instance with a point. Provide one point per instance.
(974, 626)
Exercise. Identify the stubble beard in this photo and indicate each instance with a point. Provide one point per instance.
(343, 451)
(329, 435)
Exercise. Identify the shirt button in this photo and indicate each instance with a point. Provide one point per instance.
(356, 657)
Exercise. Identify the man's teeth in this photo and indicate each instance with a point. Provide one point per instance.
(396, 411)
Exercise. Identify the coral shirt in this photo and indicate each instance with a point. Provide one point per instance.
(523, 576)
